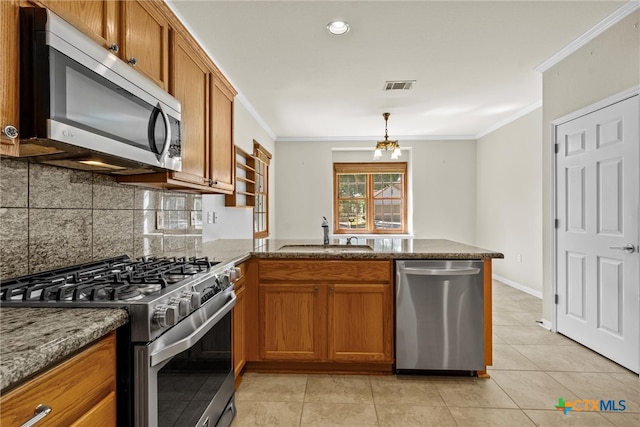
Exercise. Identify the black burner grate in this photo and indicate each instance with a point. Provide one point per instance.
(114, 279)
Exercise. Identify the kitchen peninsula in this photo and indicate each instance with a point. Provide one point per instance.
(330, 308)
(363, 270)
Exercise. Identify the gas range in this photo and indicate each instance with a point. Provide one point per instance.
(158, 292)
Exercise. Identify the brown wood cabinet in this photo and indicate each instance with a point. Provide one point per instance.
(134, 30)
(326, 310)
(99, 19)
(10, 83)
(80, 391)
(239, 325)
(190, 83)
(221, 156)
(293, 321)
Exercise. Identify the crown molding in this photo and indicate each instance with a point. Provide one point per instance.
(376, 138)
(513, 118)
(240, 96)
(623, 11)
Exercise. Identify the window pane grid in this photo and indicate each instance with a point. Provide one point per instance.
(370, 201)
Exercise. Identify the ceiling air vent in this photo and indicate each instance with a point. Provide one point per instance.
(399, 85)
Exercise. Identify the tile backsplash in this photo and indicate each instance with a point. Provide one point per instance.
(52, 217)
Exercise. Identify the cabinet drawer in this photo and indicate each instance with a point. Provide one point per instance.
(71, 389)
(101, 415)
(326, 270)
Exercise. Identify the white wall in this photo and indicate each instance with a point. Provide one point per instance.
(237, 223)
(442, 173)
(509, 199)
(607, 65)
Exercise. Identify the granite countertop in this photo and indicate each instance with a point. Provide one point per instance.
(34, 339)
(237, 251)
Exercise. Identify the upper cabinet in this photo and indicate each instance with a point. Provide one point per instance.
(190, 84)
(10, 83)
(221, 157)
(147, 35)
(134, 30)
(145, 40)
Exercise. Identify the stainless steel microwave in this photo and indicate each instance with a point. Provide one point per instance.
(82, 107)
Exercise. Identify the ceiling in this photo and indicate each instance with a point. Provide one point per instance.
(473, 61)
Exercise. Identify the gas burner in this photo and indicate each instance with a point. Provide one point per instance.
(124, 292)
(114, 279)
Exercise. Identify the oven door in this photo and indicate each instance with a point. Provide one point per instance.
(185, 377)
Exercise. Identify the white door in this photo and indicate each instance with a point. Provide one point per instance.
(597, 193)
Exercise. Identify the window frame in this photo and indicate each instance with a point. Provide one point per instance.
(369, 169)
(262, 162)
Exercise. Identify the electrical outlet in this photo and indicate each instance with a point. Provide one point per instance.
(519, 257)
(209, 217)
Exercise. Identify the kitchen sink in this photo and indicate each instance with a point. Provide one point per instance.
(326, 248)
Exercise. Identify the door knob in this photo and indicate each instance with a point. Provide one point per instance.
(628, 248)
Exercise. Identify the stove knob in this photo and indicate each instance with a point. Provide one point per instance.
(183, 305)
(166, 315)
(193, 298)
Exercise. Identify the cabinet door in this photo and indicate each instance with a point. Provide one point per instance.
(145, 41)
(360, 322)
(72, 389)
(190, 84)
(292, 322)
(96, 18)
(238, 325)
(221, 153)
(10, 83)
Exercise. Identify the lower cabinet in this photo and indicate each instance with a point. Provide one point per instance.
(239, 325)
(80, 391)
(326, 311)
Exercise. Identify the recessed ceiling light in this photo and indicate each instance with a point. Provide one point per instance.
(338, 28)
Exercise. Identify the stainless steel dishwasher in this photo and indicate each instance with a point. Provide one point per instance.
(439, 315)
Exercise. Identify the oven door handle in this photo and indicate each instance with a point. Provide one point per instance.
(187, 342)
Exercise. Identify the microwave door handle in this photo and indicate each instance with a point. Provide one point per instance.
(187, 342)
(167, 131)
(167, 128)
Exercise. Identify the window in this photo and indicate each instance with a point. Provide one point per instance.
(261, 208)
(370, 198)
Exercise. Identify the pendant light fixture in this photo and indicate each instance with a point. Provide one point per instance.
(387, 145)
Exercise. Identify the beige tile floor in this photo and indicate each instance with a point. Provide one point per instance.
(532, 368)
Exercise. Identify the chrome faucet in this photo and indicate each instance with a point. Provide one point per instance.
(325, 226)
(350, 238)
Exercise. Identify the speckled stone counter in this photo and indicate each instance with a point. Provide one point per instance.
(381, 248)
(33, 339)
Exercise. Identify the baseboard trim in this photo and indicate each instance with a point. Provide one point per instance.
(517, 285)
(545, 324)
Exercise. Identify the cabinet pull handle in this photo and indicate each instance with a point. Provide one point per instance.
(114, 48)
(40, 412)
(133, 61)
(10, 132)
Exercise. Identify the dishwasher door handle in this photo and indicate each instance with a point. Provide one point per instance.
(439, 271)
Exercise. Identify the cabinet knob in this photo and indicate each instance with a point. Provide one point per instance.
(133, 61)
(40, 412)
(10, 132)
(114, 48)
(317, 288)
